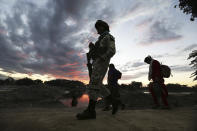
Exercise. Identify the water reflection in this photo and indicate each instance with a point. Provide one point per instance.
(174, 93)
(76, 102)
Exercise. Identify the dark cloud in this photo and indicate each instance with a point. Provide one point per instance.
(132, 66)
(158, 56)
(39, 40)
(161, 31)
(52, 38)
(134, 76)
(190, 47)
(138, 64)
(145, 23)
(181, 68)
(163, 55)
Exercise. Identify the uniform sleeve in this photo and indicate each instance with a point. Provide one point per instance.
(109, 42)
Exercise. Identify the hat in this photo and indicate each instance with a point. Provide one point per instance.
(148, 58)
(102, 23)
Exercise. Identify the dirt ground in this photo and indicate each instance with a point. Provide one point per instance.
(63, 119)
(38, 109)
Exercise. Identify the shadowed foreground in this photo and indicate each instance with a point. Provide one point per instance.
(63, 119)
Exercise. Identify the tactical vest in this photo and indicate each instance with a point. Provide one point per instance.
(99, 51)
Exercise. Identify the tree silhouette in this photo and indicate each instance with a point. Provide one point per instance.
(135, 84)
(38, 81)
(25, 81)
(189, 7)
(194, 63)
(64, 83)
(9, 81)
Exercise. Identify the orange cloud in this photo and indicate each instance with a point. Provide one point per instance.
(70, 53)
(80, 55)
(72, 75)
(70, 64)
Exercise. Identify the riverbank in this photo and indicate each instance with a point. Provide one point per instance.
(48, 109)
(53, 97)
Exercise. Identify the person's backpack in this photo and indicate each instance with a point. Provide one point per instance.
(165, 71)
(119, 74)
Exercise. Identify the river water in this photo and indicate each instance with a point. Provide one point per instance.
(174, 93)
(83, 100)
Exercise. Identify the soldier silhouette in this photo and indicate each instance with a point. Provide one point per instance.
(104, 49)
(113, 76)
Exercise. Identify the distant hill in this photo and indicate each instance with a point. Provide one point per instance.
(28, 82)
(65, 83)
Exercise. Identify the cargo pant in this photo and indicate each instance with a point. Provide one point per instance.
(96, 87)
(158, 90)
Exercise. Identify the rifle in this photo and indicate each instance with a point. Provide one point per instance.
(89, 65)
(89, 56)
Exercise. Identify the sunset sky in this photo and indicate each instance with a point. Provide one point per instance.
(48, 39)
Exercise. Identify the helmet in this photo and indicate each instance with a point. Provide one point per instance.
(102, 23)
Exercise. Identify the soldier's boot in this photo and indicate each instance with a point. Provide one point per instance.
(88, 113)
(115, 104)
